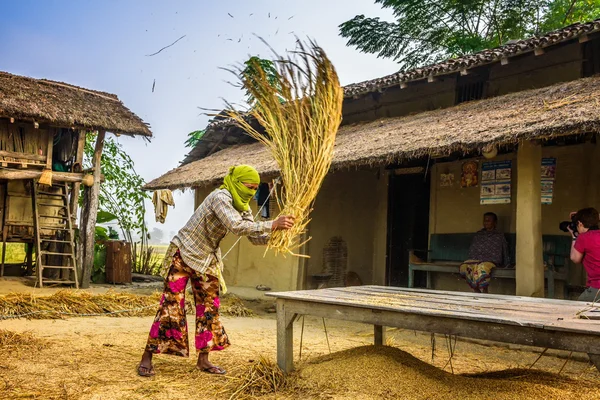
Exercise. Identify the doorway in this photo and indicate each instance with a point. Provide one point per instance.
(408, 224)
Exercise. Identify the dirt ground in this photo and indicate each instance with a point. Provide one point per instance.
(95, 358)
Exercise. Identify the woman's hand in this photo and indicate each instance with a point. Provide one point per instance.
(283, 223)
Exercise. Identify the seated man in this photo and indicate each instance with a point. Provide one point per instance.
(489, 249)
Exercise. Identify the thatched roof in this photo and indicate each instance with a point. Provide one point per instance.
(563, 109)
(64, 105)
(454, 65)
(222, 132)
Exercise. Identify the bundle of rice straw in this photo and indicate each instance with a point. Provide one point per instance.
(300, 112)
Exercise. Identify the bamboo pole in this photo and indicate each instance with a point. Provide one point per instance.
(69, 177)
(76, 186)
(88, 216)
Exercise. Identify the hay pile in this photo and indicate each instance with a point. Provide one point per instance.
(14, 342)
(67, 303)
(263, 378)
(390, 373)
(73, 303)
(234, 306)
(300, 110)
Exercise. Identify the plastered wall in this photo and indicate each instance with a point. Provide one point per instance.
(458, 210)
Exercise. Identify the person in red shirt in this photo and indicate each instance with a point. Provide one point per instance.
(586, 249)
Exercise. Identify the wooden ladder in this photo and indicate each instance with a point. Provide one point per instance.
(61, 245)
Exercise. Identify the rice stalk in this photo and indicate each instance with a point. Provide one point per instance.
(300, 112)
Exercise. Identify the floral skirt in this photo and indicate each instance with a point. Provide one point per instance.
(169, 332)
(477, 273)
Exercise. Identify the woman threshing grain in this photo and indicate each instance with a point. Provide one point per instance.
(194, 255)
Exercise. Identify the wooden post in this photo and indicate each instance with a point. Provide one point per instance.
(379, 335)
(381, 223)
(530, 263)
(285, 338)
(50, 149)
(88, 216)
(78, 160)
(29, 259)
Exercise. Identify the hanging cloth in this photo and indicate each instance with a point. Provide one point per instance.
(161, 200)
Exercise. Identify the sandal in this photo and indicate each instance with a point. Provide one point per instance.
(214, 370)
(145, 372)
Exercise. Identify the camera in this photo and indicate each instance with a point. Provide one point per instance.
(565, 225)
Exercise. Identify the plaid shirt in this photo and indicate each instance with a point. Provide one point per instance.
(198, 241)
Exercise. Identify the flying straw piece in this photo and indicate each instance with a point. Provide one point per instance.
(300, 110)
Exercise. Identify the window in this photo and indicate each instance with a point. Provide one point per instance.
(264, 200)
(469, 91)
(591, 58)
(472, 86)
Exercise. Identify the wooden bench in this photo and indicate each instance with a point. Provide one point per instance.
(448, 251)
(546, 323)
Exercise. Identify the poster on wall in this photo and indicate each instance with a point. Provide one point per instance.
(470, 174)
(496, 182)
(446, 180)
(548, 177)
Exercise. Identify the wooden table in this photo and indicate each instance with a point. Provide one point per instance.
(546, 323)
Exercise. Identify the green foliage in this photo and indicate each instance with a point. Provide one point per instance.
(121, 193)
(429, 31)
(103, 217)
(99, 271)
(256, 66)
(194, 138)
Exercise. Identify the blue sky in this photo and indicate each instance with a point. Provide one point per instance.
(102, 45)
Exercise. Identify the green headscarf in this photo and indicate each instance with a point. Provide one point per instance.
(234, 183)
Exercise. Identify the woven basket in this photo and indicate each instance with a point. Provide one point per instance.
(335, 261)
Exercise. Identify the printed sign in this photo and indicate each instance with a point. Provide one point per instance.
(548, 178)
(496, 182)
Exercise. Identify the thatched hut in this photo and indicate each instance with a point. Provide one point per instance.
(43, 126)
(395, 182)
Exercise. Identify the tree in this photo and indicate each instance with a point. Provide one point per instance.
(256, 66)
(429, 31)
(194, 137)
(121, 193)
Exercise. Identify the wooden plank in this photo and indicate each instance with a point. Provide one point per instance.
(485, 295)
(572, 341)
(432, 302)
(474, 300)
(434, 297)
(285, 338)
(565, 320)
(531, 319)
(25, 174)
(412, 310)
(436, 304)
(24, 156)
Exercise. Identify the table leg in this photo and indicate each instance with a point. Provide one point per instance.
(285, 338)
(551, 283)
(411, 277)
(595, 359)
(379, 335)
